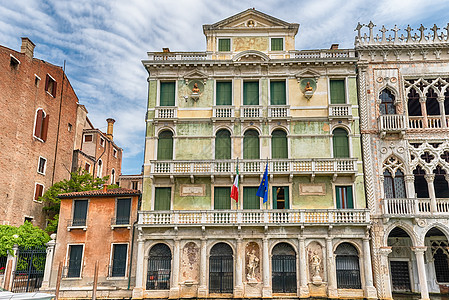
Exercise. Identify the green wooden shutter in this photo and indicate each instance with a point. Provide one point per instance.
(337, 89)
(119, 260)
(224, 93)
(251, 93)
(80, 212)
(287, 202)
(275, 197)
(165, 146)
(277, 44)
(279, 147)
(222, 198)
(75, 259)
(162, 198)
(349, 201)
(224, 44)
(167, 94)
(251, 145)
(250, 199)
(223, 145)
(338, 196)
(123, 211)
(340, 143)
(277, 93)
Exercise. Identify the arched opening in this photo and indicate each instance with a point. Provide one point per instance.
(438, 244)
(394, 185)
(421, 187)
(440, 183)
(347, 266)
(400, 259)
(159, 268)
(413, 105)
(446, 102)
(283, 266)
(251, 144)
(113, 176)
(387, 106)
(340, 143)
(165, 145)
(99, 168)
(279, 148)
(223, 144)
(432, 105)
(221, 269)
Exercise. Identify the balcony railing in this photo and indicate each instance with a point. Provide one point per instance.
(430, 122)
(251, 112)
(340, 110)
(224, 112)
(392, 123)
(290, 166)
(413, 207)
(278, 111)
(166, 112)
(253, 217)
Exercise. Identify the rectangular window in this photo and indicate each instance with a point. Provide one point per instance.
(14, 62)
(222, 198)
(224, 92)
(41, 167)
(277, 44)
(344, 197)
(337, 90)
(79, 212)
(119, 254)
(280, 197)
(41, 125)
(114, 152)
(123, 211)
(224, 44)
(50, 85)
(251, 93)
(88, 138)
(102, 142)
(75, 259)
(167, 94)
(250, 199)
(135, 185)
(87, 167)
(277, 93)
(38, 191)
(162, 198)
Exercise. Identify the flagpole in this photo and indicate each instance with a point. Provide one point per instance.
(266, 203)
(238, 192)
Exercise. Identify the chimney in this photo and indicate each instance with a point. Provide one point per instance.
(166, 50)
(105, 188)
(27, 47)
(334, 47)
(110, 127)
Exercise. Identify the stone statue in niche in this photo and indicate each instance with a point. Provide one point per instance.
(316, 269)
(195, 88)
(315, 259)
(253, 262)
(308, 88)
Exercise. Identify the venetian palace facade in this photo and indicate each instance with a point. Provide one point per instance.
(249, 100)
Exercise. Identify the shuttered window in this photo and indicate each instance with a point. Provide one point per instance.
(277, 44)
(222, 198)
(79, 212)
(41, 125)
(167, 94)
(224, 44)
(223, 145)
(251, 145)
(162, 198)
(123, 211)
(224, 93)
(280, 197)
(165, 146)
(250, 199)
(337, 89)
(38, 191)
(119, 260)
(75, 259)
(251, 93)
(340, 143)
(277, 93)
(344, 197)
(279, 147)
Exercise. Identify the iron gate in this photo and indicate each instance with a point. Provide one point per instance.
(284, 273)
(221, 274)
(29, 269)
(400, 276)
(348, 272)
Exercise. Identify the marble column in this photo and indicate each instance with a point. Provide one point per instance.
(140, 261)
(422, 102)
(238, 289)
(419, 253)
(442, 111)
(303, 279)
(174, 289)
(266, 290)
(49, 261)
(202, 290)
(370, 290)
(331, 271)
(385, 288)
(433, 201)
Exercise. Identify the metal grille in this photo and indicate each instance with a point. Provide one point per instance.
(348, 272)
(400, 276)
(29, 270)
(221, 266)
(441, 266)
(284, 273)
(159, 268)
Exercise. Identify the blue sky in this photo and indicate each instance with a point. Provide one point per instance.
(104, 41)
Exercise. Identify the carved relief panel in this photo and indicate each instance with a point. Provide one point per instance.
(190, 258)
(252, 262)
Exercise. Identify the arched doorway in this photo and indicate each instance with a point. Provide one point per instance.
(400, 260)
(283, 266)
(438, 244)
(347, 265)
(221, 269)
(159, 268)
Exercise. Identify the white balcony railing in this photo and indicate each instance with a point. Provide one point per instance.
(413, 207)
(223, 112)
(290, 166)
(278, 111)
(392, 123)
(251, 111)
(340, 110)
(251, 217)
(430, 122)
(169, 112)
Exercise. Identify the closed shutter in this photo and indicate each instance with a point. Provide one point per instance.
(250, 199)
(165, 146)
(45, 127)
(80, 212)
(76, 255)
(123, 211)
(251, 93)
(119, 260)
(340, 143)
(277, 44)
(162, 198)
(224, 45)
(337, 89)
(223, 145)
(222, 198)
(38, 124)
(277, 93)
(279, 147)
(251, 145)
(167, 94)
(224, 93)
(38, 192)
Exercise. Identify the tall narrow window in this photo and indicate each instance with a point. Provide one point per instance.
(41, 125)
(277, 44)
(347, 267)
(343, 195)
(79, 212)
(278, 93)
(167, 96)
(337, 90)
(223, 144)
(250, 199)
(446, 102)
(99, 168)
(75, 260)
(432, 105)
(162, 198)
(440, 184)
(283, 264)
(251, 144)
(394, 187)
(279, 148)
(38, 191)
(123, 211)
(340, 143)
(421, 187)
(251, 93)
(50, 85)
(41, 167)
(221, 266)
(387, 103)
(280, 197)
(224, 93)
(224, 44)
(119, 254)
(413, 104)
(159, 268)
(113, 176)
(165, 145)
(222, 198)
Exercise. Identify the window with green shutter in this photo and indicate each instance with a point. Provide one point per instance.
(75, 260)
(337, 89)
(344, 197)
(165, 146)
(277, 93)
(222, 198)
(340, 143)
(167, 94)
(224, 93)
(277, 44)
(280, 197)
(162, 198)
(250, 199)
(119, 255)
(123, 211)
(224, 44)
(79, 212)
(251, 144)
(251, 93)
(223, 144)
(279, 147)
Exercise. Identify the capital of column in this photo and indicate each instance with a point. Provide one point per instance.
(384, 251)
(419, 249)
(440, 99)
(329, 239)
(422, 99)
(429, 178)
(409, 178)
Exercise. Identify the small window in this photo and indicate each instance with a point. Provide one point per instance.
(88, 138)
(37, 79)
(119, 254)
(112, 176)
(337, 91)
(41, 125)
(28, 219)
(162, 198)
(69, 127)
(87, 167)
(42, 165)
(344, 197)
(224, 45)
(277, 44)
(99, 168)
(114, 152)
(102, 142)
(134, 185)
(38, 191)
(79, 212)
(75, 260)
(50, 85)
(123, 211)
(14, 62)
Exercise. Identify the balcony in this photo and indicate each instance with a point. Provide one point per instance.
(284, 217)
(310, 166)
(409, 208)
(340, 111)
(76, 224)
(429, 122)
(120, 223)
(278, 111)
(251, 112)
(223, 112)
(166, 112)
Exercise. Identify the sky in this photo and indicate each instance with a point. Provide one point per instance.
(104, 41)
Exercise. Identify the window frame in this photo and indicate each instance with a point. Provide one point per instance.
(349, 142)
(339, 185)
(224, 38)
(130, 209)
(215, 91)
(153, 204)
(35, 190)
(277, 38)
(215, 143)
(67, 260)
(242, 198)
(111, 261)
(43, 125)
(244, 81)
(39, 164)
(88, 169)
(73, 211)
(345, 82)
(14, 62)
(213, 197)
(113, 176)
(172, 144)
(285, 91)
(287, 140)
(243, 142)
(158, 96)
(99, 169)
(287, 197)
(114, 152)
(49, 78)
(102, 141)
(91, 136)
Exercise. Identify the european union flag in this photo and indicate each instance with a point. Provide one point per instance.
(262, 192)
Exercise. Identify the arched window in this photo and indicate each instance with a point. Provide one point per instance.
(413, 105)
(279, 148)
(394, 186)
(41, 125)
(432, 105)
(347, 265)
(283, 266)
(113, 176)
(165, 145)
(421, 187)
(221, 269)
(159, 268)
(99, 168)
(251, 144)
(440, 184)
(387, 103)
(223, 144)
(446, 102)
(340, 143)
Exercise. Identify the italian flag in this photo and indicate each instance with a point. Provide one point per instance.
(235, 187)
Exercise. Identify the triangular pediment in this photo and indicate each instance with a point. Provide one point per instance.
(195, 74)
(307, 73)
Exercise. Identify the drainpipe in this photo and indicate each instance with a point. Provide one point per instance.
(132, 243)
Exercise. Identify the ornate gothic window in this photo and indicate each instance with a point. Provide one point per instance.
(394, 185)
(387, 106)
(421, 188)
(413, 105)
(432, 105)
(440, 184)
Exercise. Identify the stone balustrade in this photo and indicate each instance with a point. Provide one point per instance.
(251, 111)
(396, 123)
(413, 207)
(278, 111)
(223, 112)
(169, 112)
(340, 110)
